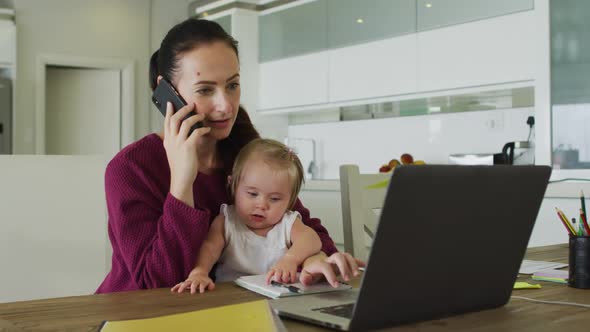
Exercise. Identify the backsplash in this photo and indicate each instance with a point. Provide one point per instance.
(371, 143)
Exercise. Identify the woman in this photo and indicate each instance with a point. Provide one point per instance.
(164, 190)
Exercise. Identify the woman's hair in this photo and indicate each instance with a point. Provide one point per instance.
(187, 36)
(182, 38)
(273, 153)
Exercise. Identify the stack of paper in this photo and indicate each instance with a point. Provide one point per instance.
(257, 283)
(559, 276)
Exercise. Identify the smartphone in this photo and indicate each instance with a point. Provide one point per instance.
(165, 93)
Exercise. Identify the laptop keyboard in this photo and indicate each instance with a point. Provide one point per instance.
(341, 310)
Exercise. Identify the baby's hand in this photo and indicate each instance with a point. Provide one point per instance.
(285, 270)
(195, 281)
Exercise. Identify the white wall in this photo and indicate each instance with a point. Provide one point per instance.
(371, 143)
(110, 28)
(123, 29)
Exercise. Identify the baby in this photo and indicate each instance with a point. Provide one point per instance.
(258, 233)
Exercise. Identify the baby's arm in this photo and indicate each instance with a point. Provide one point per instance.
(305, 242)
(209, 253)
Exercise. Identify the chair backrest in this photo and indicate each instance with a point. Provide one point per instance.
(53, 229)
(361, 206)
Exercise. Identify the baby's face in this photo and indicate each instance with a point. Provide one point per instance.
(262, 195)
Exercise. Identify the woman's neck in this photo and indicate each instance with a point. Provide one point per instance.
(207, 153)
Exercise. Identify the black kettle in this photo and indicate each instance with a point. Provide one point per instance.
(506, 157)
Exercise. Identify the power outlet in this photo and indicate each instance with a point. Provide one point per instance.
(495, 121)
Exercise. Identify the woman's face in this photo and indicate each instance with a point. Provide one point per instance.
(209, 77)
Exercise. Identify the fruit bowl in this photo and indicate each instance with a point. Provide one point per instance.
(405, 159)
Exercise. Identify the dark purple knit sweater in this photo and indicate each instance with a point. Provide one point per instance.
(155, 237)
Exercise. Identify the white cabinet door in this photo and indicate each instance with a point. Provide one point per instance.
(491, 51)
(295, 81)
(327, 206)
(381, 68)
(7, 42)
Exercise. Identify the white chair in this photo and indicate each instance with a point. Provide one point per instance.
(361, 207)
(53, 229)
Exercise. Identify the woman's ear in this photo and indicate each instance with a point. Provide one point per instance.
(158, 79)
(229, 180)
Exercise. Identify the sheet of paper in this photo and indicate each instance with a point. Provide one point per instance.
(530, 267)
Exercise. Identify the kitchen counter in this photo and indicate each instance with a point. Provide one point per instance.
(321, 185)
(569, 189)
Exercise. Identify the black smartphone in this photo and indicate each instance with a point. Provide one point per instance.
(164, 93)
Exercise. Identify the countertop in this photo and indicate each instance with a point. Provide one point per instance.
(321, 185)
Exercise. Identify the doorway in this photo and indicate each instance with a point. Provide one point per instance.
(82, 111)
(84, 106)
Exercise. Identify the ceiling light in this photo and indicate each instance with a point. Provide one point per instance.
(428, 5)
(359, 20)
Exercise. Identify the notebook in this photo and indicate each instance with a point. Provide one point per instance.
(559, 276)
(249, 316)
(257, 283)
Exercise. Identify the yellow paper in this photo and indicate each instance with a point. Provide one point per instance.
(525, 285)
(249, 316)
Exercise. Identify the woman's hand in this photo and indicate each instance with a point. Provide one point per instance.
(181, 150)
(320, 266)
(196, 281)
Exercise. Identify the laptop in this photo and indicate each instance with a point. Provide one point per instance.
(450, 240)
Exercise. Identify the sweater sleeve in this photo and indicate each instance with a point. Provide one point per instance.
(328, 246)
(157, 236)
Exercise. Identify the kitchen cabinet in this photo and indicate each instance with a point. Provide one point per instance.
(7, 42)
(432, 14)
(322, 198)
(492, 51)
(294, 31)
(352, 22)
(376, 69)
(296, 81)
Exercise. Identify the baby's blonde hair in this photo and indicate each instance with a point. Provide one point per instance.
(274, 153)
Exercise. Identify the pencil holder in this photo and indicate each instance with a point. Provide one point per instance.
(579, 263)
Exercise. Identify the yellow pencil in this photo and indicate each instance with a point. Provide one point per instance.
(566, 222)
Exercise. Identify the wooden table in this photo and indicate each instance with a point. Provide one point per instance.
(85, 313)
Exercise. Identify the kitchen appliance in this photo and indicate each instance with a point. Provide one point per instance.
(513, 153)
(5, 116)
(516, 153)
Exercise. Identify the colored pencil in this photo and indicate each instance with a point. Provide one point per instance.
(583, 201)
(584, 222)
(565, 222)
(580, 226)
